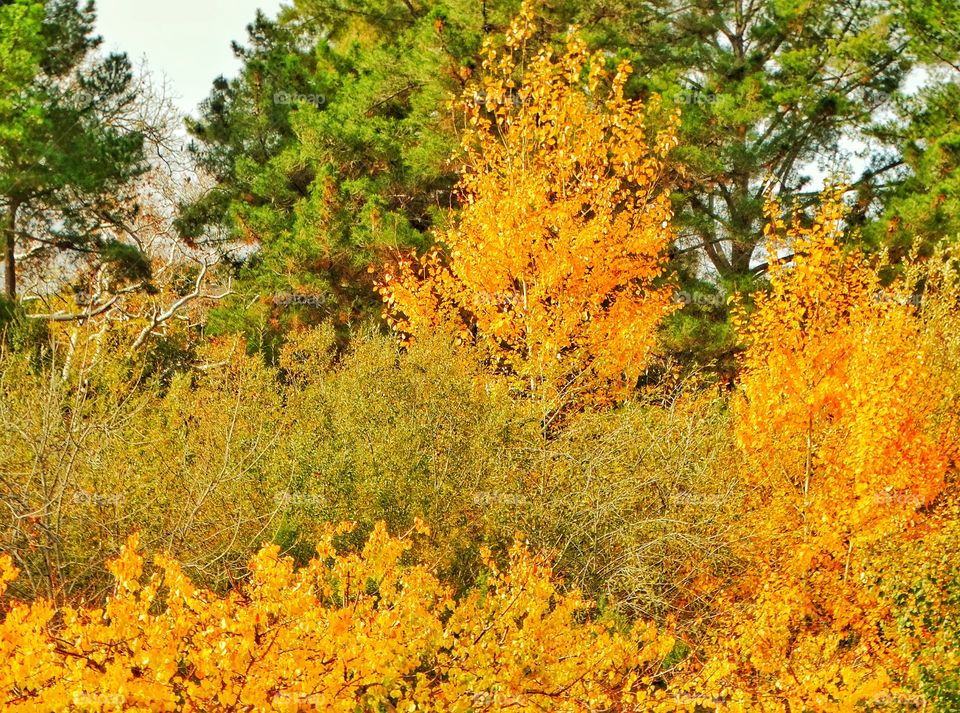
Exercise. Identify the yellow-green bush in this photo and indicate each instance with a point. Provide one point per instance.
(208, 463)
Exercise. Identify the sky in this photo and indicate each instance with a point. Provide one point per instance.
(185, 41)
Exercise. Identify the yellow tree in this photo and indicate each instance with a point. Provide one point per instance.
(836, 419)
(553, 267)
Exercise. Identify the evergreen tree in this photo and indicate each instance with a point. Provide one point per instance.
(922, 205)
(766, 89)
(334, 145)
(66, 150)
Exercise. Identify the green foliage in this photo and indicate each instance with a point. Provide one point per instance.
(924, 591)
(20, 50)
(923, 209)
(335, 145)
(332, 147)
(19, 333)
(934, 27)
(65, 158)
(919, 204)
(699, 334)
(388, 436)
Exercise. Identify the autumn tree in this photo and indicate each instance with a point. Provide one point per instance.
(837, 422)
(553, 266)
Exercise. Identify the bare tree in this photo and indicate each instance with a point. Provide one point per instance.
(170, 279)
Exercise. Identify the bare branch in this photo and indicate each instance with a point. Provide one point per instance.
(159, 318)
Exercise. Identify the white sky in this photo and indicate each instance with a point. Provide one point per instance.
(185, 41)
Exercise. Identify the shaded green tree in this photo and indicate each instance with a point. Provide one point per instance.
(68, 154)
(332, 147)
(921, 206)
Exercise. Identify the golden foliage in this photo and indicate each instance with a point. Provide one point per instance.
(837, 398)
(346, 632)
(553, 266)
(837, 422)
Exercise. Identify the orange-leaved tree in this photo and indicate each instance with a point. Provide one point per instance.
(346, 632)
(553, 267)
(836, 419)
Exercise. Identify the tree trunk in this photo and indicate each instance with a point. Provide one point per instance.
(740, 254)
(10, 259)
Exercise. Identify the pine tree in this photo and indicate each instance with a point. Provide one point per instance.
(66, 153)
(331, 147)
